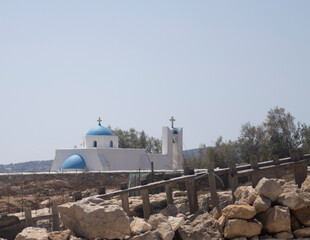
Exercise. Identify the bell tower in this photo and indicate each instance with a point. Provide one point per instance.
(172, 145)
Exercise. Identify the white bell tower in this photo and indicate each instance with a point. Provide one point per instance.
(172, 145)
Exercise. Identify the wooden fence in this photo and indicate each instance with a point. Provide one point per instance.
(256, 170)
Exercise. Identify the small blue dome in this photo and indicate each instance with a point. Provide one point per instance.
(75, 161)
(99, 130)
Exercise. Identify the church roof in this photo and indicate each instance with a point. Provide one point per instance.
(75, 161)
(100, 130)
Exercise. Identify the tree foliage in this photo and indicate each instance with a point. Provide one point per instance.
(136, 139)
(278, 134)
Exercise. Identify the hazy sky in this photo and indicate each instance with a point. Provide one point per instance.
(213, 65)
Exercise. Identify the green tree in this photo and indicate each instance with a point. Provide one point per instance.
(253, 141)
(136, 139)
(283, 132)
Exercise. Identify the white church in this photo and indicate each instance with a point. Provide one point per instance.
(100, 151)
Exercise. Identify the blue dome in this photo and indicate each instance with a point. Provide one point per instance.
(75, 161)
(99, 130)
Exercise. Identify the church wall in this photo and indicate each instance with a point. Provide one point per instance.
(161, 161)
(125, 159)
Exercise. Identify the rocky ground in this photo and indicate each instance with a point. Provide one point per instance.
(275, 209)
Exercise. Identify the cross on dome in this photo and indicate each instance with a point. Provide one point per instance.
(172, 120)
(99, 121)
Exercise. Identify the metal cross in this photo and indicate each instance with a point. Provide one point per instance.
(99, 121)
(172, 120)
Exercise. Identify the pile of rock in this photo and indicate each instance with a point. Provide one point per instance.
(95, 218)
(274, 208)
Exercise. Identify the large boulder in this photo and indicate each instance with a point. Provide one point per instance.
(283, 235)
(293, 197)
(149, 235)
(200, 226)
(59, 235)
(175, 222)
(245, 195)
(303, 216)
(305, 186)
(242, 228)
(140, 225)
(239, 211)
(10, 226)
(261, 203)
(160, 223)
(302, 233)
(269, 188)
(95, 218)
(32, 233)
(276, 219)
(170, 210)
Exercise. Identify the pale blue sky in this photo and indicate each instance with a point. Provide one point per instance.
(213, 65)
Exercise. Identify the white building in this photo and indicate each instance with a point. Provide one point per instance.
(99, 151)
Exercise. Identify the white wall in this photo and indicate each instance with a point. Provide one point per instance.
(102, 141)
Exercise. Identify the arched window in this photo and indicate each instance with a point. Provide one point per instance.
(175, 132)
(95, 144)
(111, 144)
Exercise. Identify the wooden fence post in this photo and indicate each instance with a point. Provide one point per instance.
(300, 169)
(168, 190)
(124, 198)
(146, 203)
(254, 166)
(232, 178)
(101, 190)
(77, 196)
(294, 155)
(278, 172)
(28, 217)
(191, 196)
(55, 217)
(212, 185)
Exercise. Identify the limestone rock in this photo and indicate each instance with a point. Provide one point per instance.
(254, 238)
(269, 188)
(161, 223)
(140, 225)
(32, 233)
(293, 197)
(303, 216)
(91, 220)
(170, 210)
(295, 224)
(261, 203)
(222, 221)
(276, 219)
(305, 186)
(242, 228)
(175, 222)
(283, 235)
(59, 235)
(239, 211)
(182, 207)
(200, 226)
(149, 235)
(239, 238)
(225, 199)
(303, 232)
(75, 238)
(156, 219)
(245, 195)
